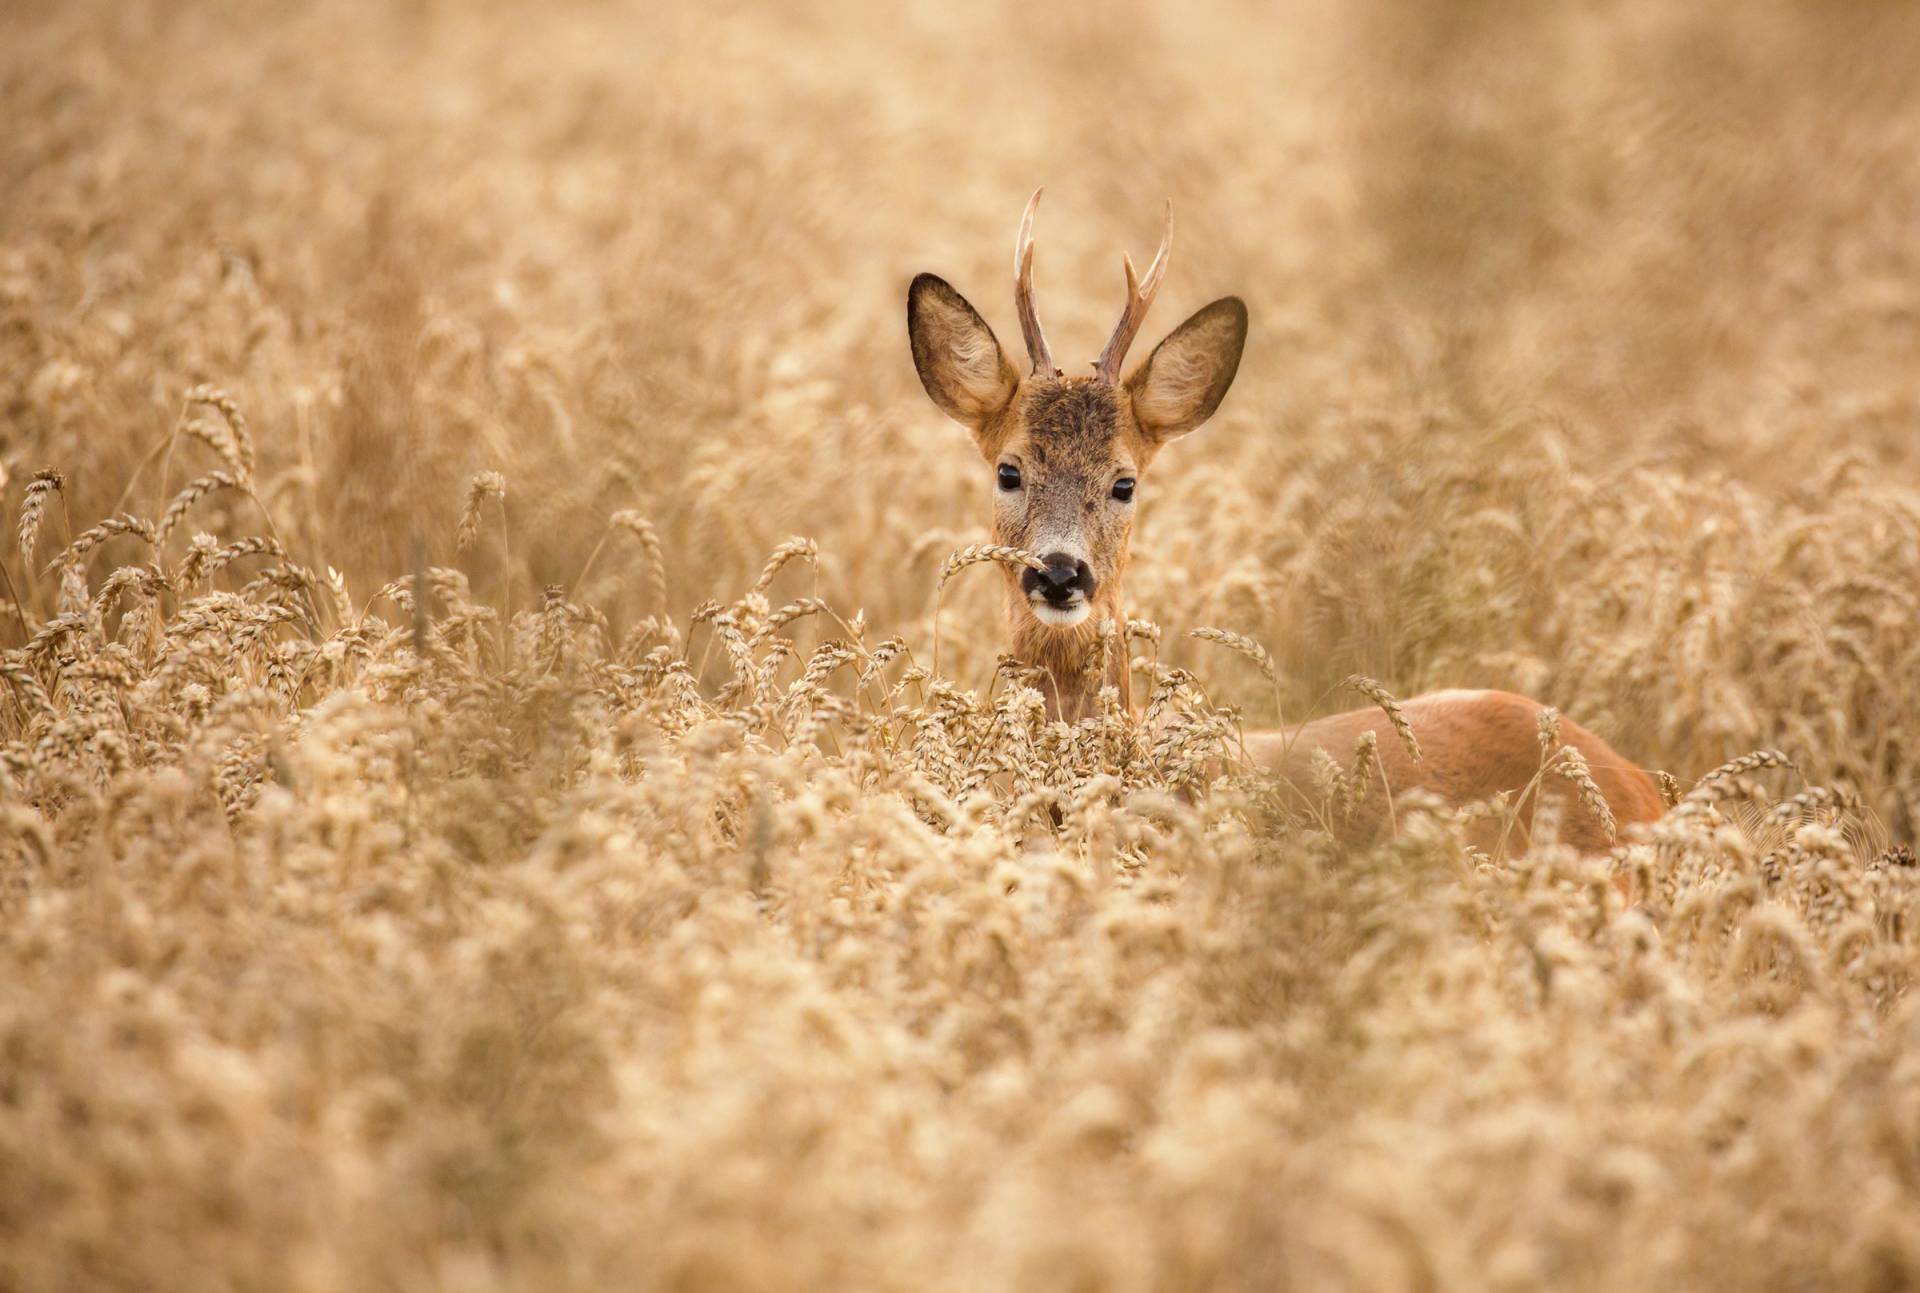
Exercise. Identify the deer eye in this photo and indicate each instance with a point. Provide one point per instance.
(1123, 489)
(1009, 476)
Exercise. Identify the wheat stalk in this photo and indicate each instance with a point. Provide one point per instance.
(483, 486)
(973, 555)
(1571, 764)
(793, 549)
(1397, 716)
(33, 508)
(1242, 645)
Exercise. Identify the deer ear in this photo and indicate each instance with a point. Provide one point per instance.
(1187, 375)
(961, 365)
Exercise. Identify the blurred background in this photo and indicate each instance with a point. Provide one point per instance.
(1582, 352)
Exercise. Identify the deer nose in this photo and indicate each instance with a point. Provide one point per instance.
(1063, 577)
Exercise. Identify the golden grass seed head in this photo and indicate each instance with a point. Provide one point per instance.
(1397, 716)
(794, 549)
(655, 553)
(1241, 645)
(1571, 764)
(975, 554)
(43, 485)
(485, 485)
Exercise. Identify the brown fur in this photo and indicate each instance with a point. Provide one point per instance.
(1072, 437)
(1475, 744)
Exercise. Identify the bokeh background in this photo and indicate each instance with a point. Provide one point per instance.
(1583, 362)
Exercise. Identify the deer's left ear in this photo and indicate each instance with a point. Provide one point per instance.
(1187, 375)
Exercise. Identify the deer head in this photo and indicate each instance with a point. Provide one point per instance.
(1067, 456)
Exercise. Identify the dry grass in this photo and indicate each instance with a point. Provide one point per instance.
(439, 847)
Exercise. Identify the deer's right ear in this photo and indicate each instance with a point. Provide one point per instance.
(961, 365)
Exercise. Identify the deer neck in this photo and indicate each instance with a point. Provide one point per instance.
(1071, 687)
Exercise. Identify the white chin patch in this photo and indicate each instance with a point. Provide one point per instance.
(1062, 617)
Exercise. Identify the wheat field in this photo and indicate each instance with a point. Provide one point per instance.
(478, 808)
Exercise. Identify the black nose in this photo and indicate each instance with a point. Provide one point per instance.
(1063, 577)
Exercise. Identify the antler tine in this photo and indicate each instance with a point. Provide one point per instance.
(1140, 293)
(1023, 293)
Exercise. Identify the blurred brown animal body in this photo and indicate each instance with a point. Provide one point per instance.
(1474, 745)
(1067, 454)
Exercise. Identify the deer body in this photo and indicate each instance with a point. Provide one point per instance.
(1474, 745)
(1067, 454)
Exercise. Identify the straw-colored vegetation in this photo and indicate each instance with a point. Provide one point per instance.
(440, 849)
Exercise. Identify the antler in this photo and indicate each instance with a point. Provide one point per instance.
(1139, 297)
(1023, 293)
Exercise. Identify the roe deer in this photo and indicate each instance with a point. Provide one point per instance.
(1067, 455)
